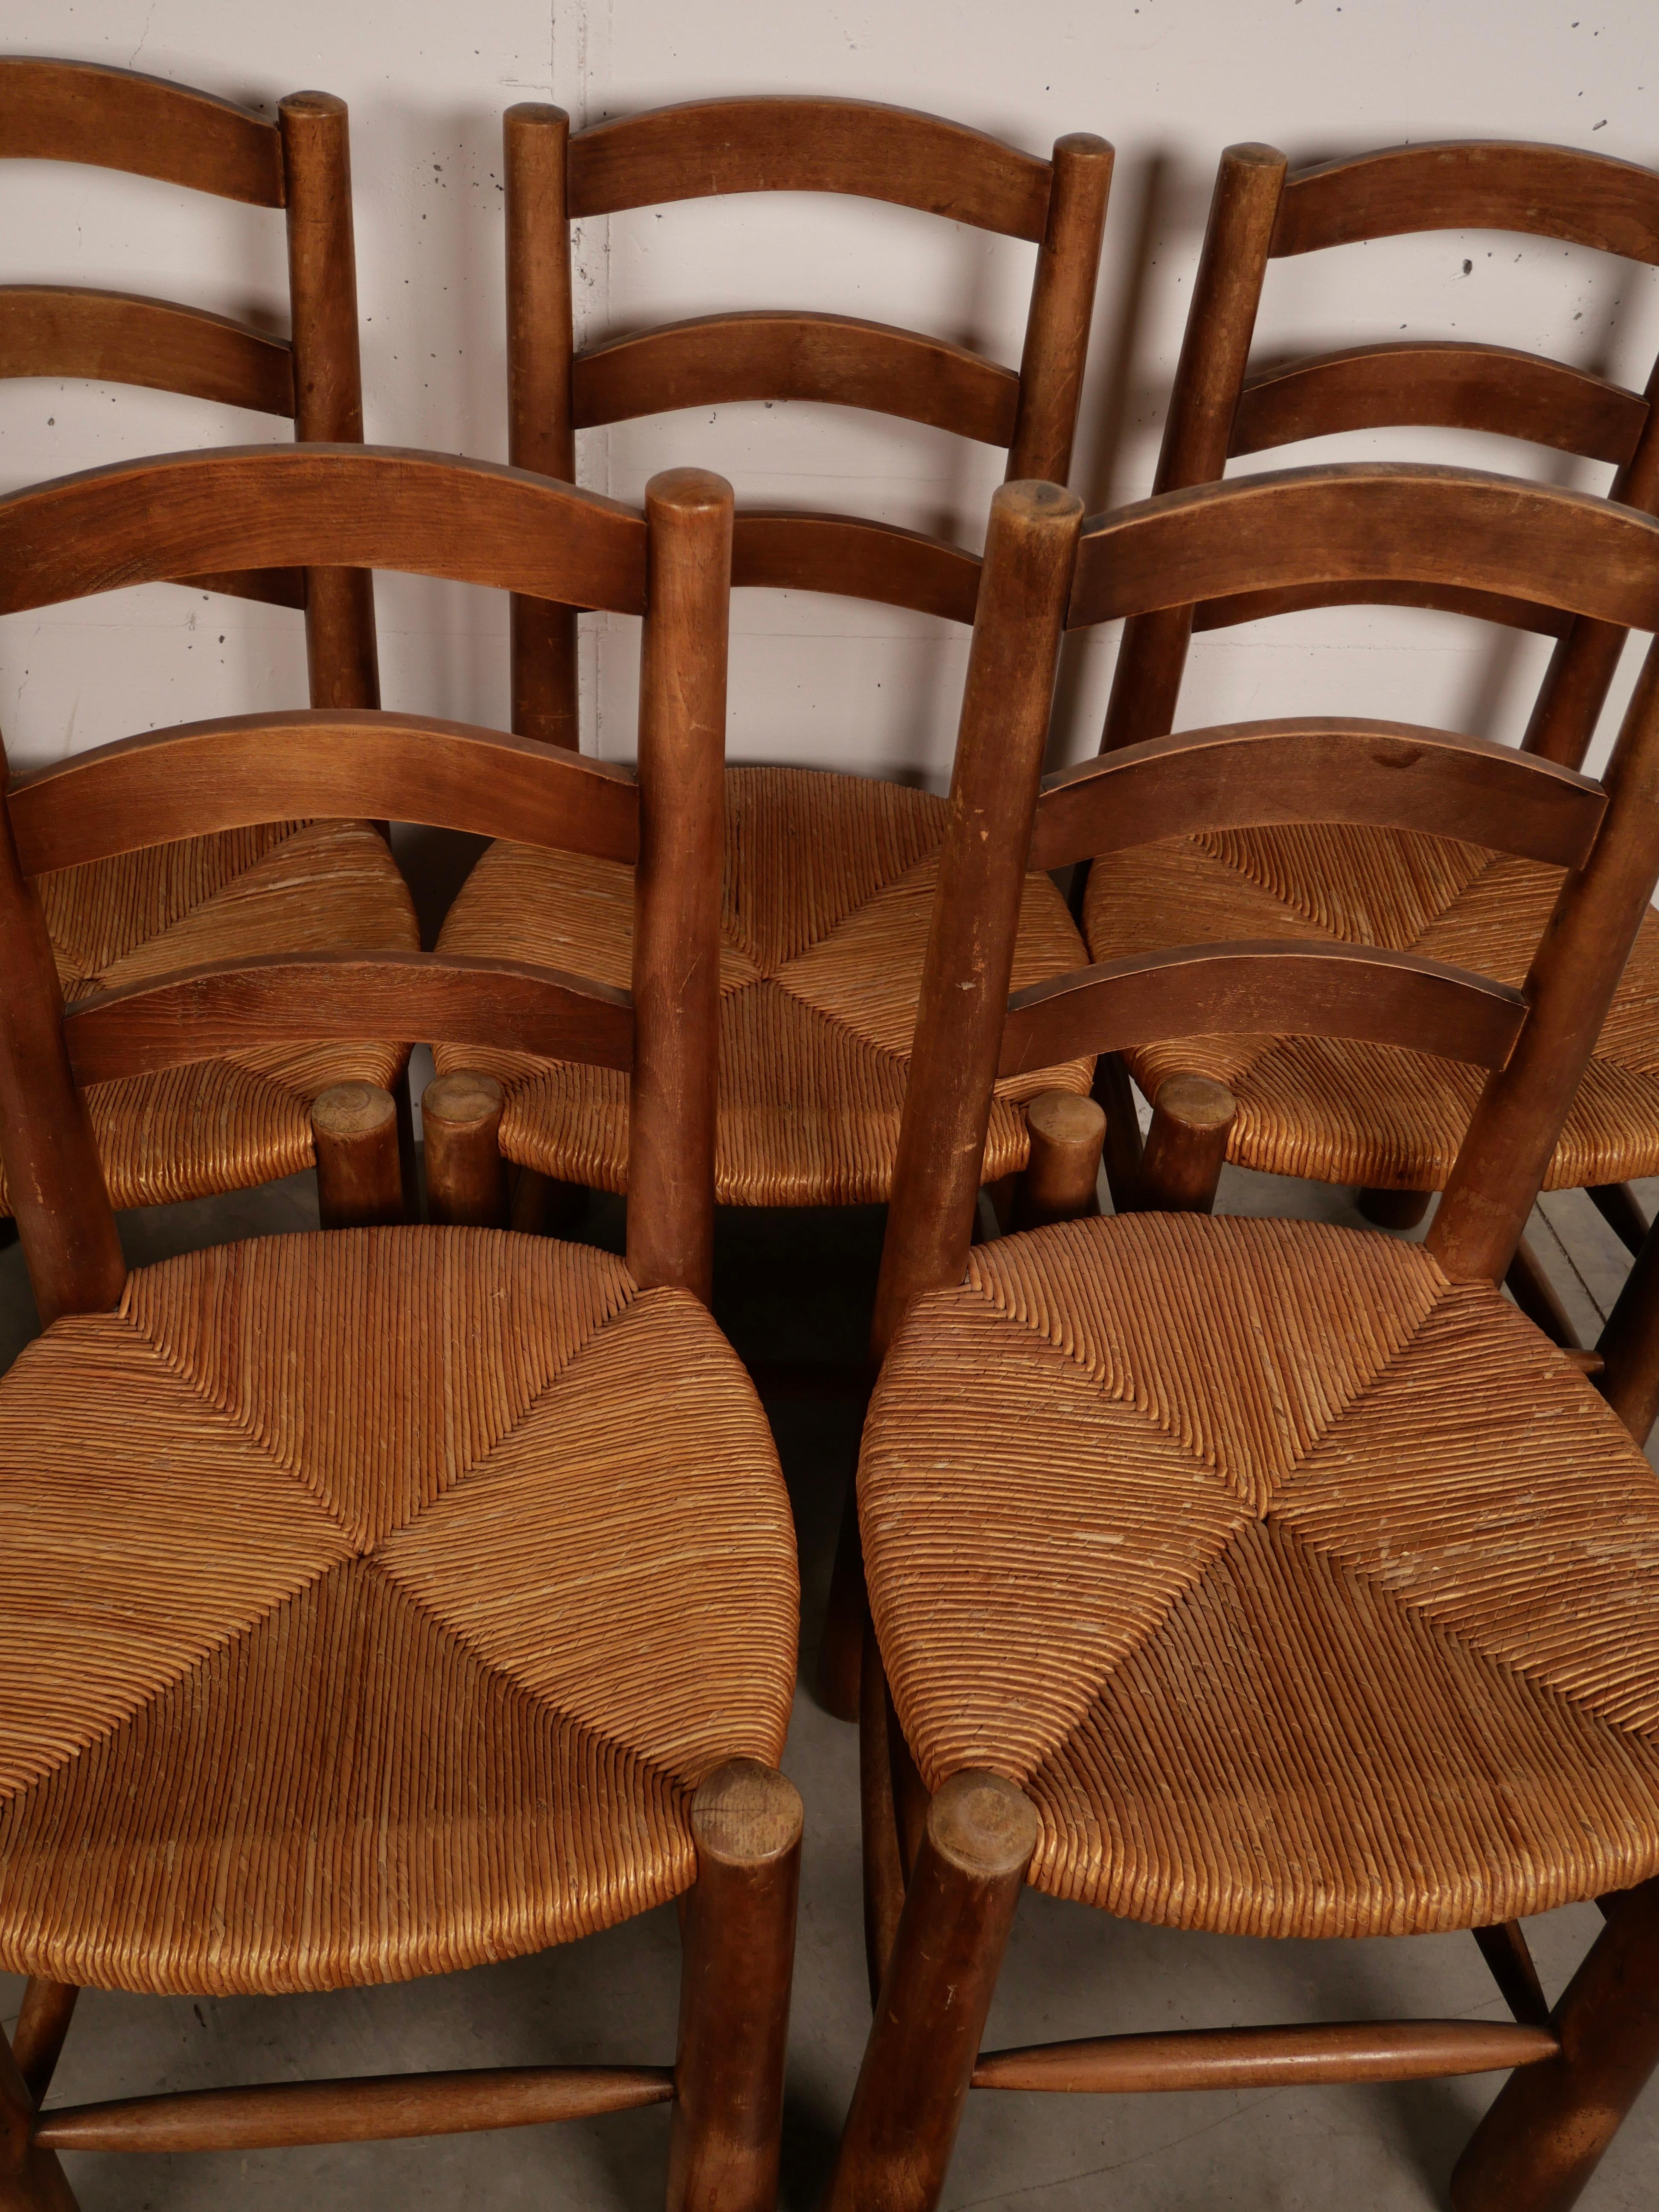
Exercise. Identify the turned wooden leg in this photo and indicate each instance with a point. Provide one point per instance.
(1629, 1346)
(43, 2024)
(1059, 1182)
(883, 1870)
(896, 2147)
(848, 1608)
(1397, 1210)
(466, 1174)
(738, 1934)
(360, 1175)
(1546, 2130)
(1115, 1095)
(30, 2180)
(1186, 1145)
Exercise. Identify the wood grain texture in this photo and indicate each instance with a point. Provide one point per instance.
(1270, 2057)
(249, 768)
(1444, 599)
(807, 144)
(1063, 310)
(113, 119)
(784, 354)
(859, 560)
(119, 337)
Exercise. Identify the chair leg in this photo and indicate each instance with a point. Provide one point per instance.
(1397, 1210)
(1617, 1205)
(882, 1862)
(466, 1174)
(738, 1933)
(1546, 2130)
(1186, 1145)
(31, 2180)
(842, 1650)
(360, 1175)
(1058, 1182)
(43, 2026)
(1113, 1095)
(1629, 1346)
(918, 2065)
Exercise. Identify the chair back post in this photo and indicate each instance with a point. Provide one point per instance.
(541, 435)
(1501, 1165)
(677, 902)
(1209, 377)
(1030, 549)
(1062, 309)
(328, 382)
(53, 1178)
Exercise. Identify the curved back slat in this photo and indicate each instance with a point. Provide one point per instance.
(1442, 599)
(1364, 522)
(335, 507)
(1280, 988)
(717, 359)
(225, 1006)
(276, 587)
(1550, 192)
(875, 561)
(116, 337)
(806, 144)
(1443, 384)
(113, 119)
(205, 776)
(1250, 774)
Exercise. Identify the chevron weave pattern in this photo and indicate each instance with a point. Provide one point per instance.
(370, 1604)
(1305, 1592)
(828, 894)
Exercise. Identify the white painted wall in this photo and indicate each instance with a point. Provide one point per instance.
(828, 681)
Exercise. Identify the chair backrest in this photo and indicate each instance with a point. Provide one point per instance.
(1262, 210)
(113, 119)
(719, 147)
(370, 508)
(1346, 529)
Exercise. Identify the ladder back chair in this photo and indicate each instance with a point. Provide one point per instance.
(822, 869)
(418, 1596)
(1352, 1113)
(285, 884)
(1261, 1577)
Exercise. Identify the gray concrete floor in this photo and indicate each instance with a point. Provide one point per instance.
(796, 1288)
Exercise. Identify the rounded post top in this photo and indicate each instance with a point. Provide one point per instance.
(1252, 153)
(1030, 499)
(745, 1814)
(463, 1099)
(983, 1824)
(536, 115)
(313, 104)
(353, 1110)
(688, 491)
(1196, 1102)
(1065, 1117)
(1085, 146)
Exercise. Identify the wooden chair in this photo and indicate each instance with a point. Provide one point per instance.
(270, 886)
(1350, 1112)
(1254, 1576)
(379, 1603)
(827, 876)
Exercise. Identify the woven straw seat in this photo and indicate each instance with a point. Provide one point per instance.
(1304, 1593)
(282, 887)
(827, 893)
(369, 1604)
(1370, 1115)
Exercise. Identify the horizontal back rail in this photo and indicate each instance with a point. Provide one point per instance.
(715, 360)
(406, 998)
(117, 337)
(1385, 774)
(1278, 987)
(803, 145)
(1550, 192)
(1364, 522)
(1442, 384)
(226, 775)
(276, 587)
(860, 560)
(1443, 598)
(113, 119)
(320, 507)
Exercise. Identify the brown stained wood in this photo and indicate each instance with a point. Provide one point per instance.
(119, 337)
(1629, 1345)
(248, 769)
(113, 119)
(1551, 191)
(1062, 309)
(1114, 1093)
(846, 1618)
(1397, 1210)
(1269, 2058)
(1059, 1180)
(807, 144)
(277, 588)
(1248, 774)
(466, 1184)
(373, 2108)
(1544, 2135)
(879, 1853)
(739, 1946)
(1444, 599)
(919, 2061)
(222, 1007)
(1029, 547)
(328, 386)
(43, 2026)
(541, 435)
(1538, 1298)
(1186, 1145)
(1504, 1949)
(784, 354)
(859, 559)
(264, 507)
(31, 2179)
(360, 1177)
(677, 882)
(1278, 985)
(1445, 383)
(1364, 522)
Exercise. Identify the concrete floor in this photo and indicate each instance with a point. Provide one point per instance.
(796, 1288)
